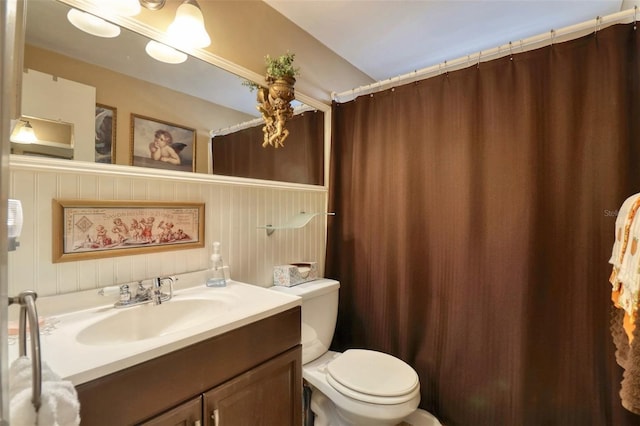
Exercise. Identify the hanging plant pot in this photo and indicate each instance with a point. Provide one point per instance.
(282, 88)
(274, 102)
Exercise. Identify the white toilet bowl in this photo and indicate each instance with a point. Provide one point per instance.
(360, 387)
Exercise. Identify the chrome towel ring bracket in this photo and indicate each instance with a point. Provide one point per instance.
(27, 302)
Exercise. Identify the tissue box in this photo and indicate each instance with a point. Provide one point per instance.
(295, 273)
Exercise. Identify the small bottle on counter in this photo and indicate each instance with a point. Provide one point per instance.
(216, 275)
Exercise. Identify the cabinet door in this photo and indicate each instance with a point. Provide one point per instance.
(267, 395)
(187, 414)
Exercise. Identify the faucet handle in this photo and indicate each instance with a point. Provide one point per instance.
(113, 290)
(122, 290)
(157, 295)
(125, 294)
(172, 279)
(141, 288)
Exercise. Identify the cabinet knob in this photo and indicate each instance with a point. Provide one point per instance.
(215, 417)
(197, 423)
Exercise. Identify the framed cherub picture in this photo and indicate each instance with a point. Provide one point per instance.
(92, 229)
(162, 145)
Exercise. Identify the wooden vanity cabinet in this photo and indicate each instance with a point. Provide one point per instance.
(248, 376)
(264, 396)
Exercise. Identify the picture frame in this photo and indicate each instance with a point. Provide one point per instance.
(93, 229)
(162, 145)
(106, 125)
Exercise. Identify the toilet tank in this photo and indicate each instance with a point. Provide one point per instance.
(319, 315)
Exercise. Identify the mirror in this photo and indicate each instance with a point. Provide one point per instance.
(130, 82)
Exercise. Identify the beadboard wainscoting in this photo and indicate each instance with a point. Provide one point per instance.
(234, 209)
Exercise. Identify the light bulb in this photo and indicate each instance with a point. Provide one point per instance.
(25, 134)
(92, 24)
(187, 29)
(164, 53)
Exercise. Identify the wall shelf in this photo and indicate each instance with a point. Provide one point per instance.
(297, 221)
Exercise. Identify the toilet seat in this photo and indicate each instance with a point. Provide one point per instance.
(372, 377)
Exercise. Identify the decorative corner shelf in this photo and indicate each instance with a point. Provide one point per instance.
(297, 221)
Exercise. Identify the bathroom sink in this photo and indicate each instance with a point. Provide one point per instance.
(104, 339)
(148, 321)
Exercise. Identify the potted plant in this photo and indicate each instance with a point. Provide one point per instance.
(281, 76)
(281, 67)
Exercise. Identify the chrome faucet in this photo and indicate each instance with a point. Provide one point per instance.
(143, 294)
(157, 296)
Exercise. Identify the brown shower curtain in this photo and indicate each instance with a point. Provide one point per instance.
(301, 160)
(475, 218)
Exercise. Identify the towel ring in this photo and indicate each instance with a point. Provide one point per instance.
(27, 302)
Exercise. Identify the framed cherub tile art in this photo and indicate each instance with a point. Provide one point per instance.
(90, 229)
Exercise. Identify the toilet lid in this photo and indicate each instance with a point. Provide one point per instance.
(372, 373)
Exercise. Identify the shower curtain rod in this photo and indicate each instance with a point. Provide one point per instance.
(254, 122)
(554, 36)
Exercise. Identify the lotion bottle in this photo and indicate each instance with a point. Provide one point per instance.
(216, 275)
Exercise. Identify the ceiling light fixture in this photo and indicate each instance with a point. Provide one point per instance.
(92, 24)
(123, 7)
(164, 53)
(152, 4)
(23, 134)
(187, 29)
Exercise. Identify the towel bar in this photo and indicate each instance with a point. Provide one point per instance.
(27, 302)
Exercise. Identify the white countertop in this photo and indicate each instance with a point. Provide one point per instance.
(80, 363)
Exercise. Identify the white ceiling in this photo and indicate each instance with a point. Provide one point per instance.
(389, 38)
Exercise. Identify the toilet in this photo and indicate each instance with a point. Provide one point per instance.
(356, 387)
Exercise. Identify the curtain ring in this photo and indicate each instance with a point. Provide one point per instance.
(510, 51)
(446, 70)
(553, 37)
(597, 26)
(635, 15)
(479, 56)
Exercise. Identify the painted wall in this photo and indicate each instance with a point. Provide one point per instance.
(234, 210)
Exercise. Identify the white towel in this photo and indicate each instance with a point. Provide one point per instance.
(59, 399)
(621, 222)
(628, 274)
